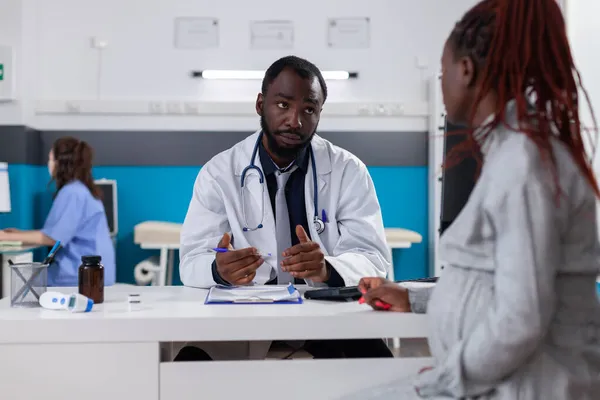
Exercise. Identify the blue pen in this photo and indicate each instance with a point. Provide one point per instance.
(224, 250)
(50, 257)
(324, 216)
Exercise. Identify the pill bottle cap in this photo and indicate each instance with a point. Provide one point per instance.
(93, 259)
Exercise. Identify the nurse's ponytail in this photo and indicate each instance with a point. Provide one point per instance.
(73, 161)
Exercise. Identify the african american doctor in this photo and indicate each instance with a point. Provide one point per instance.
(332, 237)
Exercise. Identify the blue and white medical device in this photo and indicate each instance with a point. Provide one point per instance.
(73, 302)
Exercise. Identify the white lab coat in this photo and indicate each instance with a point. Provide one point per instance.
(353, 241)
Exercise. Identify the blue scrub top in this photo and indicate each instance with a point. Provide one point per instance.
(78, 220)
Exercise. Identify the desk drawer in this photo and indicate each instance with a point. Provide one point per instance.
(299, 379)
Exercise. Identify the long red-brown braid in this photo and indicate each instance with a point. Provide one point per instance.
(521, 51)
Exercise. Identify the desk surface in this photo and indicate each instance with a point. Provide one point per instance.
(176, 313)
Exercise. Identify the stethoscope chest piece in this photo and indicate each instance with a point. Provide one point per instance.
(319, 225)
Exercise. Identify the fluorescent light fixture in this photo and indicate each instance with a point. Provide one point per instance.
(254, 75)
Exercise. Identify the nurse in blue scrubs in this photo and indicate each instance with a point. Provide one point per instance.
(77, 217)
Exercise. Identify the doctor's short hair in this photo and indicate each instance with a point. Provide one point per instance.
(304, 68)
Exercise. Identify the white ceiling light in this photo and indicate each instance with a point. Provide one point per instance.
(249, 74)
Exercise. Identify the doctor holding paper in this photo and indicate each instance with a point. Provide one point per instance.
(288, 192)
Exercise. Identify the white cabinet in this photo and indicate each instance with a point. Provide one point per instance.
(75, 371)
(277, 379)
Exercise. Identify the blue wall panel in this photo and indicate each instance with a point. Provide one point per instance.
(163, 193)
(403, 195)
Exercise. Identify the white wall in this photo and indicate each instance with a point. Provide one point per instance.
(584, 32)
(141, 62)
(10, 35)
(583, 35)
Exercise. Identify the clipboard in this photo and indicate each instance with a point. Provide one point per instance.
(251, 295)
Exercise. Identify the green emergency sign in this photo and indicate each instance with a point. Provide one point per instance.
(1, 72)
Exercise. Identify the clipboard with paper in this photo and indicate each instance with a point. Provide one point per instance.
(256, 294)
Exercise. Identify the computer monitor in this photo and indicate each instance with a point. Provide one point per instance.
(457, 182)
(108, 188)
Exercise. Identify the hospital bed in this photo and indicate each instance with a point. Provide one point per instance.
(164, 236)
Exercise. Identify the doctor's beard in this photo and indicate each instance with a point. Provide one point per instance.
(286, 153)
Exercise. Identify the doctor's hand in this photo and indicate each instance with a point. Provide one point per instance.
(305, 260)
(238, 267)
(382, 294)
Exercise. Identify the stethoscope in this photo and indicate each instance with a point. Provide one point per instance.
(317, 221)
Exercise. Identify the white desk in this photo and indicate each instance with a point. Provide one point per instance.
(113, 353)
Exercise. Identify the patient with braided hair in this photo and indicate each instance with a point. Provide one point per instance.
(515, 313)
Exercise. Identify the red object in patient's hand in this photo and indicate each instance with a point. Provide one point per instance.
(380, 304)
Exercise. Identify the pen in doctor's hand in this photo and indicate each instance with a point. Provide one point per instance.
(235, 266)
(224, 250)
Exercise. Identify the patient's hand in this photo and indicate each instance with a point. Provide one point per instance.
(382, 294)
(367, 284)
(12, 230)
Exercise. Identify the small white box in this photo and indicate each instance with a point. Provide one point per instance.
(7, 74)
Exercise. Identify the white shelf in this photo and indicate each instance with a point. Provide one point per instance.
(223, 108)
